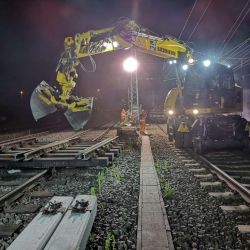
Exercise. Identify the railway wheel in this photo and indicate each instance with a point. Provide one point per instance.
(198, 148)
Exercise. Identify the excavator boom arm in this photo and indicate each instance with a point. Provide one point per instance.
(125, 34)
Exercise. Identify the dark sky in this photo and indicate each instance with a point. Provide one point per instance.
(32, 34)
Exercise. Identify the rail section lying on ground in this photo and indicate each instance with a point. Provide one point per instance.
(4, 145)
(70, 152)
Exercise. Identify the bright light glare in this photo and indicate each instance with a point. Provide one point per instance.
(170, 112)
(195, 111)
(115, 44)
(206, 63)
(170, 62)
(174, 61)
(185, 67)
(130, 64)
(229, 66)
(108, 45)
(190, 60)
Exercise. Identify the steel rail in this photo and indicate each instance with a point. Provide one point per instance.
(104, 133)
(12, 193)
(21, 138)
(17, 142)
(84, 153)
(43, 149)
(231, 182)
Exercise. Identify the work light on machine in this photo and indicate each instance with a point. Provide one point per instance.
(185, 67)
(206, 63)
(170, 112)
(195, 111)
(130, 64)
(115, 44)
(190, 60)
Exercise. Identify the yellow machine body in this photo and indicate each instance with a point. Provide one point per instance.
(125, 34)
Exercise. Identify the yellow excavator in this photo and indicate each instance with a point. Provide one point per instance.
(125, 34)
(203, 110)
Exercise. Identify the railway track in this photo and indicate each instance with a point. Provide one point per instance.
(230, 166)
(74, 149)
(89, 148)
(225, 175)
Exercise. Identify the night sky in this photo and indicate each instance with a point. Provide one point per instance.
(32, 35)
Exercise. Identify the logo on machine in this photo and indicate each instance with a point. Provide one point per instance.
(152, 45)
(167, 51)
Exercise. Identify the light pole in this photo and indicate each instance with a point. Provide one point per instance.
(131, 65)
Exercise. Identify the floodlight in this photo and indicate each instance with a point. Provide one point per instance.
(195, 111)
(170, 112)
(206, 63)
(185, 67)
(130, 64)
(190, 60)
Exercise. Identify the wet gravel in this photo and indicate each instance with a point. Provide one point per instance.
(196, 220)
(117, 200)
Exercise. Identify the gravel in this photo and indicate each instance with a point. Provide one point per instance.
(196, 220)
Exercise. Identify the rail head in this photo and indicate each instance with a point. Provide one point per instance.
(45, 148)
(83, 154)
(20, 188)
(231, 182)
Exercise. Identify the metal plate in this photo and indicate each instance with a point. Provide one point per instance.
(38, 107)
(79, 119)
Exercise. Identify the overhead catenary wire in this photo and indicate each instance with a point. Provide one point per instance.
(241, 67)
(240, 52)
(240, 55)
(231, 32)
(239, 24)
(243, 63)
(198, 22)
(189, 15)
(236, 48)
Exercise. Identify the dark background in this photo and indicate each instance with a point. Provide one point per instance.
(32, 34)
